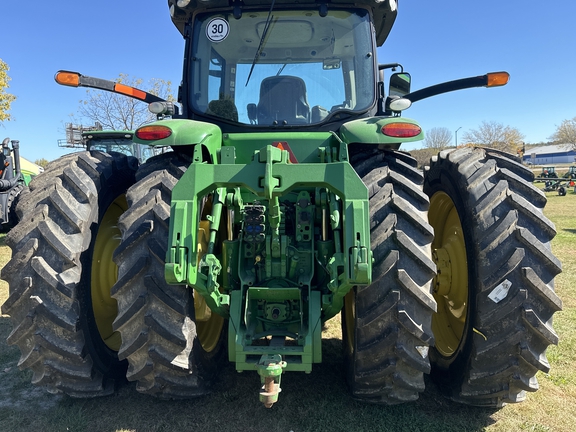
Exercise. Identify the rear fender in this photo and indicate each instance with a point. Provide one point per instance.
(370, 131)
(186, 133)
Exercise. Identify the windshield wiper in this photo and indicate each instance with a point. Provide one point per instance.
(281, 69)
(261, 44)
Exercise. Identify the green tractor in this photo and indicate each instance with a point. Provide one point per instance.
(120, 142)
(285, 201)
(571, 173)
(93, 138)
(13, 182)
(549, 172)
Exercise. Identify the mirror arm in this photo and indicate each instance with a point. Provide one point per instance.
(392, 66)
(110, 86)
(450, 86)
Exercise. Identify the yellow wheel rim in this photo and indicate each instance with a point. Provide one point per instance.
(105, 273)
(451, 282)
(208, 325)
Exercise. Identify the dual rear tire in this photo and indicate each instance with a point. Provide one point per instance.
(84, 322)
(57, 274)
(490, 270)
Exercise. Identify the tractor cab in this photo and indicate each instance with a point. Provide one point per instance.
(117, 141)
(549, 171)
(571, 173)
(265, 67)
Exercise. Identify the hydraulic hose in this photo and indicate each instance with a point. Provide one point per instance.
(8, 184)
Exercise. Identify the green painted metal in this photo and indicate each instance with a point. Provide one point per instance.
(27, 176)
(266, 177)
(264, 281)
(368, 131)
(302, 354)
(188, 132)
(304, 145)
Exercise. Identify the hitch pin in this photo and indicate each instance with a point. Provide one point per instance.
(270, 370)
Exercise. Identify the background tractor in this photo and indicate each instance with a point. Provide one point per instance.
(14, 179)
(571, 173)
(285, 201)
(549, 172)
(93, 138)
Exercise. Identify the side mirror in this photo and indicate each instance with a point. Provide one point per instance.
(399, 84)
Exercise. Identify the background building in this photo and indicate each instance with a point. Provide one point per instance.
(550, 154)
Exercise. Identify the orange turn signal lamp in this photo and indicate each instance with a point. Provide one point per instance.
(71, 79)
(496, 79)
(129, 91)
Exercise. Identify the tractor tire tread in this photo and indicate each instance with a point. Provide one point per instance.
(44, 272)
(393, 314)
(512, 236)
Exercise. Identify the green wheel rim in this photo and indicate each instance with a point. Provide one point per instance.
(105, 273)
(451, 282)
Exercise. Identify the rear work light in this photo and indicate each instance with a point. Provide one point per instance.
(401, 130)
(153, 132)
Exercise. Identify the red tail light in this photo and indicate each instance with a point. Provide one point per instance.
(401, 130)
(153, 132)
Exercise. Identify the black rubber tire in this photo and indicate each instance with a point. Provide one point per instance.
(386, 326)
(49, 275)
(156, 320)
(506, 237)
(562, 191)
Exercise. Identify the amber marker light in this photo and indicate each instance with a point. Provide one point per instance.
(496, 79)
(401, 130)
(130, 91)
(66, 78)
(153, 132)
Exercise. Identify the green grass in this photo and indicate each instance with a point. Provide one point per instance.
(315, 402)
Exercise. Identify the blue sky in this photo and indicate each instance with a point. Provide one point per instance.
(435, 41)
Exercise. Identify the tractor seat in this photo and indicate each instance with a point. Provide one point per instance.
(283, 101)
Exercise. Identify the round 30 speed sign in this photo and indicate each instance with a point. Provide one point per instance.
(217, 29)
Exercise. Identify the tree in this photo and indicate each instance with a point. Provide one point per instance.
(423, 156)
(497, 136)
(118, 112)
(438, 138)
(42, 162)
(6, 99)
(566, 133)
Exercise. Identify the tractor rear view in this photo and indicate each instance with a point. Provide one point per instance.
(285, 201)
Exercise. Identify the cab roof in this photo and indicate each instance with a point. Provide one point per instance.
(384, 11)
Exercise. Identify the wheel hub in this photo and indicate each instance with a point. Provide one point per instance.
(451, 281)
(105, 273)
